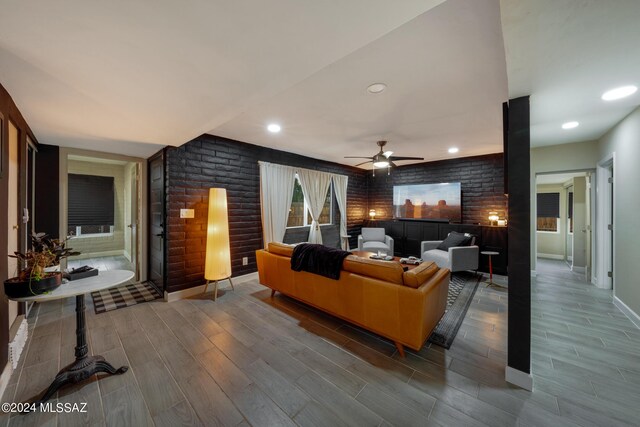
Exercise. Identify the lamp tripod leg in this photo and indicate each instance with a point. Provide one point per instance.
(206, 285)
(215, 290)
(231, 283)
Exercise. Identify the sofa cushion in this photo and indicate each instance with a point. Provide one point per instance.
(417, 276)
(383, 270)
(281, 249)
(454, 239)
(375, 246)
(372, 234)
(441, 258)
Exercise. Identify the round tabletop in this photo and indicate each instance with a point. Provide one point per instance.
(490, 253)
(104, 280)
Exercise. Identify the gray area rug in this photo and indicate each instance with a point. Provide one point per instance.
(462, 288)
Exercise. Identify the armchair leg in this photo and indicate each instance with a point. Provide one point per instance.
(400, 349)
(273, 292)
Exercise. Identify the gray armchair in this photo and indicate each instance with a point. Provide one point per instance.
(458, 258)
(374, 240)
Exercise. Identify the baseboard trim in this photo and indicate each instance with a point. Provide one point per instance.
(186, 293)
(632, 315)
(519, 378)
(4, 379)
(550, 256)
(578, 269)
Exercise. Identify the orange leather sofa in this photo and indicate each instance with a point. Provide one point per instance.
(376, 295)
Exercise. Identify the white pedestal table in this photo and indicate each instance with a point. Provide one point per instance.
(84, 366)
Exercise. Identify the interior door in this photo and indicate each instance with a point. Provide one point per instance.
(157, 221)
(13, 232)
(133, 218)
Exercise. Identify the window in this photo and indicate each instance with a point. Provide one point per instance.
(91, 204)
(548, 207)
(299, 215)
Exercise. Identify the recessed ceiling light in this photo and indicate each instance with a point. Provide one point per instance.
(570, 125)
(273, 128)
(619, 93)
(453, 150)
(376, 88)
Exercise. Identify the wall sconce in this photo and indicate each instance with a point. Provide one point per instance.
(372, 214)
(493, 217)
(218, 256)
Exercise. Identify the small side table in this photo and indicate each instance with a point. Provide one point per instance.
(85, 365)
(491, 282)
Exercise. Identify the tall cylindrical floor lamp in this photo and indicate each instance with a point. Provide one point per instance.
(218, 256)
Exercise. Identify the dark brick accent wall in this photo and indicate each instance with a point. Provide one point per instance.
(210, 161)
(481, 178)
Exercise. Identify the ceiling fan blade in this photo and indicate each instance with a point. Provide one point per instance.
(405, 158)
(363, 163)
(357, 157)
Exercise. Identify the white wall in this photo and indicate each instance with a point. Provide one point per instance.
(624, 140)
(552, 245)
(558, 158)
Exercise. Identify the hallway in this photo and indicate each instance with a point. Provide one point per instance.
(584, 350)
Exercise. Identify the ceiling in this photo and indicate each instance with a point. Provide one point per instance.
(117, 75)
(566, 54)
(113, 77)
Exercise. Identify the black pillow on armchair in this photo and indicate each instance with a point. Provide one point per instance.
(454, 239)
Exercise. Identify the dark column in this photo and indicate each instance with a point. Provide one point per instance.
(46, 209)
(519, 314)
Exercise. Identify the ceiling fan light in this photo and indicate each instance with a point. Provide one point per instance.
(381, 164)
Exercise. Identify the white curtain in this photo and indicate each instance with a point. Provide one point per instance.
(276, 192)
(314, 187)
(340, 189)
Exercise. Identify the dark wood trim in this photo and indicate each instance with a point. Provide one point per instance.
(519, 236)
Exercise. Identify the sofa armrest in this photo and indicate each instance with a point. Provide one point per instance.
(464, 258)
(429, 245)
(360, 241)
(388, 240)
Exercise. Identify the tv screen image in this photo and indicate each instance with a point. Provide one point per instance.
(428, 201)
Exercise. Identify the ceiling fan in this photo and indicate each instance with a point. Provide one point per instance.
(382, 159)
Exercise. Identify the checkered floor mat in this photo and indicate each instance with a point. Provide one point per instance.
(123, 296)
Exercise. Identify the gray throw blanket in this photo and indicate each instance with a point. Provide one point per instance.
(318, 259)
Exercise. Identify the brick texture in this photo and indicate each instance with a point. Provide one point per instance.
(210, 161)
(481, 178)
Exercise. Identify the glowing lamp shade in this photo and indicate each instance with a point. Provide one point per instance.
(493, 217)
(372, 213)
(218, 258)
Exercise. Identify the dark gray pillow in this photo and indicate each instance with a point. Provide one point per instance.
(453, 240)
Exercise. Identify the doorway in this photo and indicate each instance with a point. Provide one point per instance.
(604, 254)
(563, 223)
(101, 210)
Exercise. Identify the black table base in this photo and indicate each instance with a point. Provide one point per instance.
(84, 366)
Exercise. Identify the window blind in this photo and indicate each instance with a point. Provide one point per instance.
(548, 205)
(91, 200)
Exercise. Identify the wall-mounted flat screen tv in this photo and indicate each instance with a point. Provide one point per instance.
(436, 202)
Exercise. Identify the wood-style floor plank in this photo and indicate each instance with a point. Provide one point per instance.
(250, 359)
